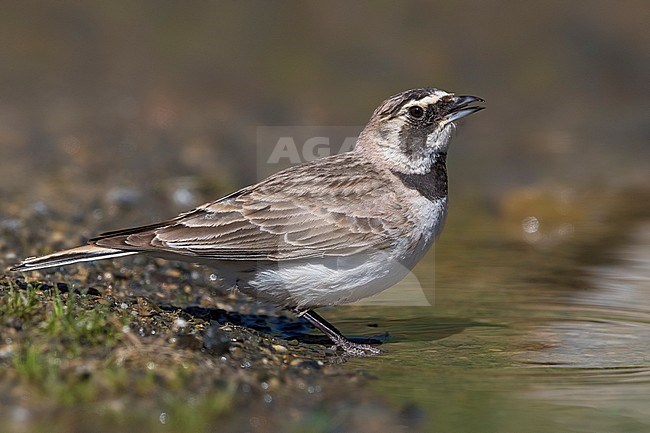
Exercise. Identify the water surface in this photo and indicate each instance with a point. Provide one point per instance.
(518, 339)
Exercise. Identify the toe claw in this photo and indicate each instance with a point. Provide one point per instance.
(355, 349)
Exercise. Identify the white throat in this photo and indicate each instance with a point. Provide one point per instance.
(392, 153)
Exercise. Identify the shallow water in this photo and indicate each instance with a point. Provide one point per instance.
(516, 341)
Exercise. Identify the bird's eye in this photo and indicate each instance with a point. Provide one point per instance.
(416, 112)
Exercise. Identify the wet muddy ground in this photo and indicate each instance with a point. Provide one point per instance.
(160, 345)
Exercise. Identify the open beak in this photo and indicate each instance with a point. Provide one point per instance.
(460, 108)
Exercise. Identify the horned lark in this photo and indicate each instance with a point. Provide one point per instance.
(327, 232)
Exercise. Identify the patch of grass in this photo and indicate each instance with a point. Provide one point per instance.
(62, 349)
(78, 324)
(17, 304)
(53, 341)
(71, 361)
(32, 364)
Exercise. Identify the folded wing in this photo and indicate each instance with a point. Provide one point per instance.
(295, 214)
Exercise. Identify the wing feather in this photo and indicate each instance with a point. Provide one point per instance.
(326, 209)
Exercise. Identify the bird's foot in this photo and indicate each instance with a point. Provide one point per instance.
(356, 349)
(340, 342)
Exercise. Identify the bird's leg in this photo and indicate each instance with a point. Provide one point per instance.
(335, 335)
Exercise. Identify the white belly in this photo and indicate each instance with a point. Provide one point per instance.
(332, 280)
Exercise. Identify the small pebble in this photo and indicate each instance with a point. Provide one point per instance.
(279, 348)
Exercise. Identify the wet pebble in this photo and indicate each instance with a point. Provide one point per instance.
(216, 341)
(279, 348)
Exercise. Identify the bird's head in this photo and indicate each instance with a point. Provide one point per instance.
(410, 130)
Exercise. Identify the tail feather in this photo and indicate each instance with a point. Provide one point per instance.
(85, 253)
